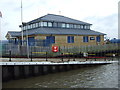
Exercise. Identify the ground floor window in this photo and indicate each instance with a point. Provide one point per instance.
(98, 39)
(70, 39)
(85, 38)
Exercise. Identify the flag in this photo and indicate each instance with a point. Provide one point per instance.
(0, 14)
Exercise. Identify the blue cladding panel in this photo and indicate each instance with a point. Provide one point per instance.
(98, 39)
(70, 39)
(85, 39)
(31, 41)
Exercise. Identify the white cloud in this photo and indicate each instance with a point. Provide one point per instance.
(98, 10)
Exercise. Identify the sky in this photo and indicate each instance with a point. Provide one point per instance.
(103, 14)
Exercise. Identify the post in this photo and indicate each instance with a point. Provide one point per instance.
(73, 57)
(31, 53)
(10, 55)
(21, 22)
(62, 56)
(46, 57)
(68, 56)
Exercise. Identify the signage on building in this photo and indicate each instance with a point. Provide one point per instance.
(54, 48)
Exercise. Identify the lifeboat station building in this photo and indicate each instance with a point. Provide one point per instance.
(56, 30)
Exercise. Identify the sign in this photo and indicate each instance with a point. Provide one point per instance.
(54, 48)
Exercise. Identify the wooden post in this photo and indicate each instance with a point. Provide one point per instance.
(31, 54)
(62, 56)
(46, 57)
(10, 55)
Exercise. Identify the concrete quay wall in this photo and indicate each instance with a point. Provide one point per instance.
(14, 72)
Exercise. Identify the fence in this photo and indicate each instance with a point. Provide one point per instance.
(40, 51)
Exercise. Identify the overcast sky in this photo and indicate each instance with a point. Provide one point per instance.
(103, 14)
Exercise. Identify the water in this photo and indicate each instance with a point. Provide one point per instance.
(101, 76)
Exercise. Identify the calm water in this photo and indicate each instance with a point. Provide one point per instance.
(102, 76)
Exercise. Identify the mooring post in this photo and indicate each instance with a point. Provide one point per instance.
(68, 56)
(46, 57)
(62, 56)
(31, 54)
(73, 57)
(10, 55)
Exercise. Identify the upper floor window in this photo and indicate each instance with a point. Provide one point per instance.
(28, 26)
(63, 25)
(71, 25)
(45, 24)
(49, 24)
(81, 26)
(75, 26)
(78, 26)
(36, 24)
(68, 25)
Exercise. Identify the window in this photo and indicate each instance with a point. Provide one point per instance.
(81, 26)
(45, 24)
(23, 28)
(88, 27)
(85, 27)
(85, 38)
(28, 26)
(68, 25)
(78, 26)
(98, 39)
(92, 38)
(49, 24)
(31, 26)
(63, 25)
(36, 25)
(55, 24)
(71, 25)
(70, 39)
(41, 24)
(75, 26)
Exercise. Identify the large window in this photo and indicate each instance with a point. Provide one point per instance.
(49, 24)
(75, 26)
(98, 39)
(81, 26)
(45, 24)
(68, 25)
(71, 25)
(63, 25)
(70, 39)
(85, 38)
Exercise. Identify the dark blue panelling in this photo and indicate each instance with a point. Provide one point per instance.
(31, 41)
(98, 39)
(70, 39)
(85, 38)
(49, 40)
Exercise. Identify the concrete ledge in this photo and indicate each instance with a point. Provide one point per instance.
(52, 63)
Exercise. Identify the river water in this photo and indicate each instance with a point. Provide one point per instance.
(101, 76)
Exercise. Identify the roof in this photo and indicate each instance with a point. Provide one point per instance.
(58, 18)
(14, 33)
(57, 31)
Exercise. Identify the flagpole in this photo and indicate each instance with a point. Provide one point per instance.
(22, 22)
(0, 37)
